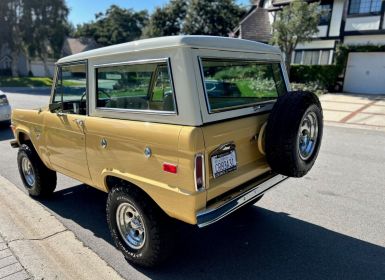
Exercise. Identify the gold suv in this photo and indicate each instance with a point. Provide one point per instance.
(186, 127)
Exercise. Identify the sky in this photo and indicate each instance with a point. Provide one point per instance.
(85, 10)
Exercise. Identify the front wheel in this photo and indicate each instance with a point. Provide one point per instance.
(138, 227)
(38, 180)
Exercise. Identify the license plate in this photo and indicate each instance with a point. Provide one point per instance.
(223, 163)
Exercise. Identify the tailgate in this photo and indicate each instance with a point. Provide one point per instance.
(250, 161)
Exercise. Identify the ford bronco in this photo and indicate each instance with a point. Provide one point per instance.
(185, 127)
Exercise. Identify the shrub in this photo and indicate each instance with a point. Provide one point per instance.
(324, 75)
(312, 86)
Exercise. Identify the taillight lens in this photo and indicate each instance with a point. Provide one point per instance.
(3, 100)
(199, 172)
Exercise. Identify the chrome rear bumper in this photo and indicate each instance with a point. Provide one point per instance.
(220, 210)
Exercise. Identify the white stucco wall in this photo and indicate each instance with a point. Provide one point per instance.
(322, 31)
(335, 22)
(317, 44)
(37, 68)
(365, 40)
(362, 23)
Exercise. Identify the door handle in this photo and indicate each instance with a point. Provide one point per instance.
(79, 122)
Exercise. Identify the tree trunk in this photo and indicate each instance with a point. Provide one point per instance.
(44, 58)
(28, 59)
(288, 66)
(14, 63)
(288, 61)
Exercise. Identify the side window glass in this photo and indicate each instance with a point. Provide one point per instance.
(71, 88)
(145, 87)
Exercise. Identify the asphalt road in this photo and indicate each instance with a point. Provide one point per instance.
(328, 225)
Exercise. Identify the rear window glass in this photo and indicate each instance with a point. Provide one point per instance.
(145, 87)
(232, 84)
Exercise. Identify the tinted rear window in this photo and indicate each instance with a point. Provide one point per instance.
(232, 84)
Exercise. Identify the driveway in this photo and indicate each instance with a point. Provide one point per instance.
(361, 111)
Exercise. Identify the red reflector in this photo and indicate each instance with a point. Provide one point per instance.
(168, 167)
(199, 172)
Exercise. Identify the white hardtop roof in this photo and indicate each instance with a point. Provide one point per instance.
(196, 41)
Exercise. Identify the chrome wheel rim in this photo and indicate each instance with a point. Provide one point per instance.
(28, 172)
(307, 135)
(131, 226)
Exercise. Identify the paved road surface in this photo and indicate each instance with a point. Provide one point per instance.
(328, 225)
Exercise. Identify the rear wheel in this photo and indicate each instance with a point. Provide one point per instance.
(37, 178)
(140, 230)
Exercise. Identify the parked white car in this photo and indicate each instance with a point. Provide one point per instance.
(5, 108)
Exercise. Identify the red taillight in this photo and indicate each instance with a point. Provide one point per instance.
(168, 167)
(199, 172)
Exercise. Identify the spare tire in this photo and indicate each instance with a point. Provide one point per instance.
(294, 133)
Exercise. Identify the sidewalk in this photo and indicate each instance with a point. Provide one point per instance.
(362, 111)
(35, 245)
(10, 267)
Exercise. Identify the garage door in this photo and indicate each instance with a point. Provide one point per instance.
(365, 73)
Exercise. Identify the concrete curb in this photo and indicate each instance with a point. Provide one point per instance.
(41, 243)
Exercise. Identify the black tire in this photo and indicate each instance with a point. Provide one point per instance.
(158, 232)
(44, 178)
(282, 143)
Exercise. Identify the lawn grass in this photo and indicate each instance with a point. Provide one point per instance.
(25, 82)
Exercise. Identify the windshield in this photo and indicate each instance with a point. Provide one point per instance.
(232, 84)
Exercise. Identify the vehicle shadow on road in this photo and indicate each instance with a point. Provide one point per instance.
(253, 243)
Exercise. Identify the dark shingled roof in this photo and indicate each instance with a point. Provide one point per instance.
(77, 45)
(255, 25)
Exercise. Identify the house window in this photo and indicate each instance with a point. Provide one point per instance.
(364, 6)
(312, 57)
(326, 12)
(324, 59)
(298, 57)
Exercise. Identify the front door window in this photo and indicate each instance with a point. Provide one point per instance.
(71, 88)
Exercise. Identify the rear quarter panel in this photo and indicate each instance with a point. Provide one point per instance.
(124, 158)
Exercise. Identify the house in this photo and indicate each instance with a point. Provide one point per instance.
(36, 65)
(348, 22)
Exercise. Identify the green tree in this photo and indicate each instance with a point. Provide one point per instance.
(295, 23)
(45, 27)
(11, 12)
(167, 20)
(115, 26)
(33, 28)
(212, 17)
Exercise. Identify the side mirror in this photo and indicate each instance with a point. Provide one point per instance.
(53, 107)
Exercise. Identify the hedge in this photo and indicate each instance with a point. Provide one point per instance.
(324, 75)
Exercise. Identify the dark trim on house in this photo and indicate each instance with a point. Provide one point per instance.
(328, 38)
(365, 32)
(382, 15)
(343, 19)
(330, 19)
(315, 49)
(374, 14)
